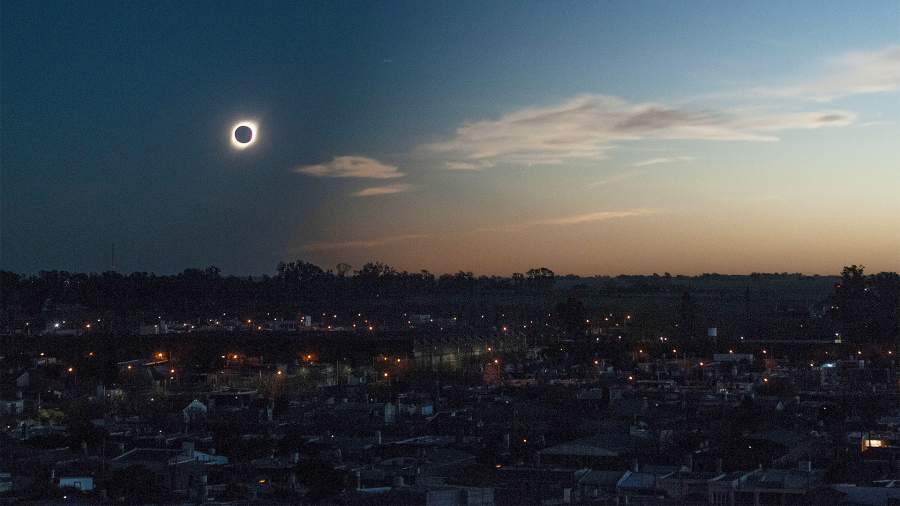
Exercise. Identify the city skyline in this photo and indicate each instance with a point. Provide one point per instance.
(587, 138)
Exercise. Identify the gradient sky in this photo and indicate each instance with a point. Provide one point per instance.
(587, 137)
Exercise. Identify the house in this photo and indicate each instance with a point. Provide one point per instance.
(604, 451)
(879, 494)
(596, 484)
(12, 406)
(688, 485)
(6, 482)
(194, 412)
(80, 483)
(459, 496)
(766, 486)
(634, 486)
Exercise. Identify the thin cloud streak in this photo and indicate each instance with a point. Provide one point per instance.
(586, 127)
(851, 73)
(575, 219)
(352, 167)
(390, 189)
(468, 165)
(616, 178)
(657, 161)
(361, 244)
(578, 219)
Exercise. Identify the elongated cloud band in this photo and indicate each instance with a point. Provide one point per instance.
(665, 159)
(575, 219)
(586, 126)
(352, 167)
(578, 219)
(389, 189)
(364, 243)
(852, 73)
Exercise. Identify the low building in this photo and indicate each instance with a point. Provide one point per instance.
(80, 483)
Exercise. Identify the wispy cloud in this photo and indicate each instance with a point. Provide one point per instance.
(574, 219)
(665, 159)
(570, 220)
(361, 244)
(615, 178)
(585, 127)
(578, 219)
(468, 165)
(383, 190)
(352, 167)
(851, 73)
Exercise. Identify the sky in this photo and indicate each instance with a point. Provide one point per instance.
(493, 137)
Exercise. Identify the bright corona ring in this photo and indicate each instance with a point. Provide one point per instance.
(243, 134)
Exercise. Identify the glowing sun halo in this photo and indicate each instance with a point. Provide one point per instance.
(244, 134)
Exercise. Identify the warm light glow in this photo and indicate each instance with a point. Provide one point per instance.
(254, 129)
(874, 443)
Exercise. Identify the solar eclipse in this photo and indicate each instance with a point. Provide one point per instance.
(243, 134)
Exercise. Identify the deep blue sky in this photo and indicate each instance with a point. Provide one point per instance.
(115, 119)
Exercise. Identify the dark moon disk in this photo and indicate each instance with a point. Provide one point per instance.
(243, 134)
